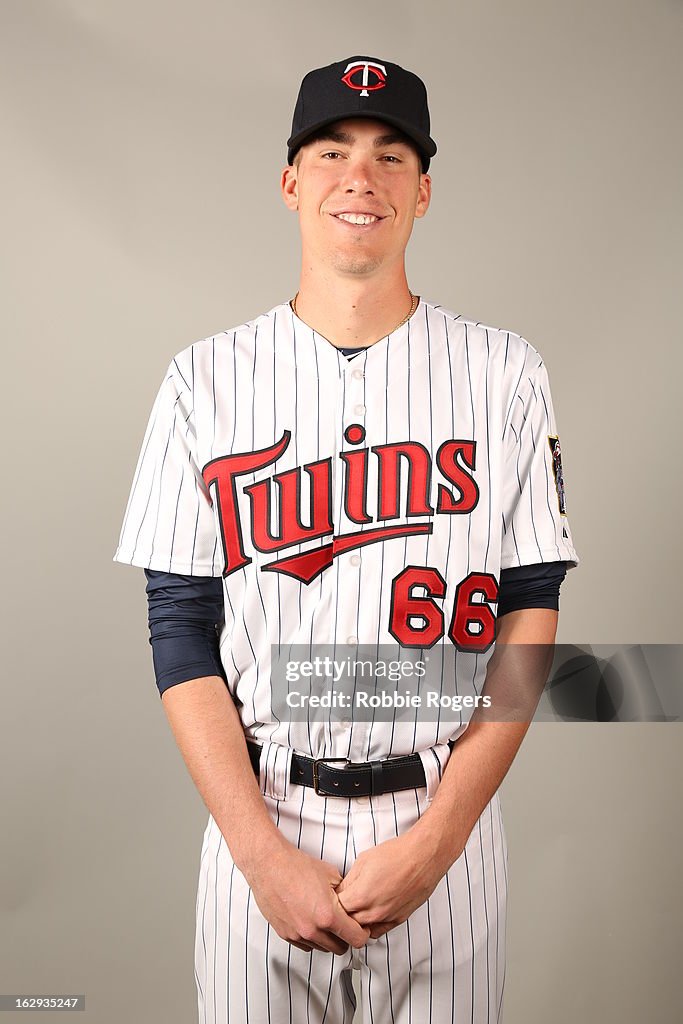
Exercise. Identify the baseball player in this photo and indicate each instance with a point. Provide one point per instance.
(356, 467)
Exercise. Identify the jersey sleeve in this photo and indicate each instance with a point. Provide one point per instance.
(535, 523)
(169, 522)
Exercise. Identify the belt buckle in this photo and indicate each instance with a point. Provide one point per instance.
(316, 780)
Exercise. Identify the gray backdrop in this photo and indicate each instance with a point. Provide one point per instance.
(143, 142)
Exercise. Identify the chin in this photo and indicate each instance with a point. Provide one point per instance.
(356, 264)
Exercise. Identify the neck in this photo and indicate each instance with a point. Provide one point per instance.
(352, 312)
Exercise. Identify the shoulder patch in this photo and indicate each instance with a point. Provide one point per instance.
(556, 454)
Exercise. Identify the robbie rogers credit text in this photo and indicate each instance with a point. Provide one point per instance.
(372, 688)
(430, 699)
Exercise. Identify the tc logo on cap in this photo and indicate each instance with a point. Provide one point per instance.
(369, 68)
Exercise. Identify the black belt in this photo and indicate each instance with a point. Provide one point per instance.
(367, 778)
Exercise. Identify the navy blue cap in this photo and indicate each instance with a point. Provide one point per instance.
(363, 87)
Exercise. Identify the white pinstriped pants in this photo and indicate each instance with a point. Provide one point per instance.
(446, 963)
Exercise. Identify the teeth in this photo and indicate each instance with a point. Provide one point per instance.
(357, 218)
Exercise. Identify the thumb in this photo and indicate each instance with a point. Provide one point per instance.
(349, 928)
(348, 901)
(348, 880)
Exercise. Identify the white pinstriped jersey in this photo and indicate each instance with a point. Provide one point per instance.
(334, 494)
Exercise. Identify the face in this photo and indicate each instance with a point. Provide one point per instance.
(361, 171)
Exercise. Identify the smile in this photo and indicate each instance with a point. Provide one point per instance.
(357, 218)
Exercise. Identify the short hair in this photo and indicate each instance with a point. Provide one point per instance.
(328, 132)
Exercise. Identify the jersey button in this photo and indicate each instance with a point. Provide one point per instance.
(352, 640)
(359, 410)
(355, 559)
(358, 374)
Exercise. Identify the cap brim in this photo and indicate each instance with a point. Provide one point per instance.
(424, 143)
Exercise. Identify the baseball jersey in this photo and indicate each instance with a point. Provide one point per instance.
(364, 502)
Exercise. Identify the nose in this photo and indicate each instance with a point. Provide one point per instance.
(359, 176)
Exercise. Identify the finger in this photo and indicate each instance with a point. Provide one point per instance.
(325, 941)
(378, 930)
(351, 931)
(345, 882)
(334, 944)
(364, 912)
(300, 945)
(309, 946)
(344, 894)
(351, 901)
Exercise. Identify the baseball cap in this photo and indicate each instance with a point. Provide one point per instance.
(363, 87)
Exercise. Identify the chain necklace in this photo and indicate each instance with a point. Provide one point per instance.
(413, 306)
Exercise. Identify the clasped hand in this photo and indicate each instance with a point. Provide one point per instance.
(387, 882)
(311, 906)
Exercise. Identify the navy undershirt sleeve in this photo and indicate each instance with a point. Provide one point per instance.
(184, 612)
(530, 586)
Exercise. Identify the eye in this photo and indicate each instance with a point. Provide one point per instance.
(392, 158)
(331, 152)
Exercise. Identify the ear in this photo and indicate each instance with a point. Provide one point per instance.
(424, 194)
(289, 186)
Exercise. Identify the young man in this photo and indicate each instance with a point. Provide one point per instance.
(358, 466)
